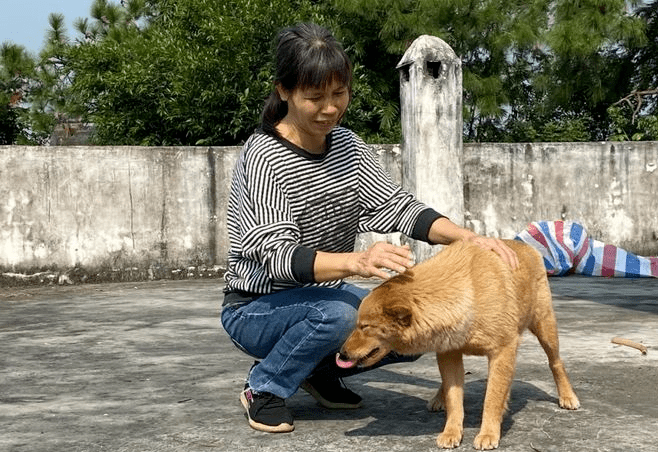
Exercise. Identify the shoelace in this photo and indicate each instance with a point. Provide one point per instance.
(266, 398)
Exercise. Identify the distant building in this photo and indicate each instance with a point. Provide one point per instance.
(71, 133)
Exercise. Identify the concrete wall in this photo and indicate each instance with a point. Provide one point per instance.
(128, 213)
(611, 188)
(112, 212)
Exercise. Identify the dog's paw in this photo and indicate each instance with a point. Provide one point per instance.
(435, 403)
(486, 441)
(449, 439)
(570, 402)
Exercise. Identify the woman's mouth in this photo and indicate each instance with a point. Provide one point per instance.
(325, 124)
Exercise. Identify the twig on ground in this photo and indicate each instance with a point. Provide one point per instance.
(629, 343)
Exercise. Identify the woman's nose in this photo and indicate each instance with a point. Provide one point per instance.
(330, 107)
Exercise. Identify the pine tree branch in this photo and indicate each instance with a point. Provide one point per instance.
(636, 96)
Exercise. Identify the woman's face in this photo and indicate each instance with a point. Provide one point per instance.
(313, 112)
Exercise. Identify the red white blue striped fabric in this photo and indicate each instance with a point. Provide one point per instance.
(566, 248)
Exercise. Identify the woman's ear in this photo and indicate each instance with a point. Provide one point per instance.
(283, 93)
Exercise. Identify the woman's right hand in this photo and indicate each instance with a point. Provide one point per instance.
(380, 257)
(372, 262)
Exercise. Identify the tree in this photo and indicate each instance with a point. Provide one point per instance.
(530, 68)
(374, 112)
(196, 72)
(635, 115)
(9, 123)
(16, 80)
(645, 58)
(33, 90)
(587, 71)
(49, 87)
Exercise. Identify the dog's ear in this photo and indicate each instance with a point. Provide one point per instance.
(400, 313)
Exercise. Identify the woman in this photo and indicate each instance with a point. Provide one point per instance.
(302, 189)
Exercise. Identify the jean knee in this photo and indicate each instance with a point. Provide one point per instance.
(340, 315)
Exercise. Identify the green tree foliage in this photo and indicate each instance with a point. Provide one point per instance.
(9, 128)
(48, 94)
(196, 72)
(165, 72)
(532, 70)
(374, 112)
(16, 69)
(33, 90)
(645, 58)
(588, 71)
(635, 116)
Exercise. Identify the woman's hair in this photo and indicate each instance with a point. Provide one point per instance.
(307, 56)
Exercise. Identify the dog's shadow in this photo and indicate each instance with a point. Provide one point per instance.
(395, 405)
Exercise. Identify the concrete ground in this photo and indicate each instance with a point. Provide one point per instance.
(147, 367)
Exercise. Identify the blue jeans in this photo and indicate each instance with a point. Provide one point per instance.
(295, 333)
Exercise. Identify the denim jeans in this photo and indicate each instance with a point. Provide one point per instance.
(295, 333)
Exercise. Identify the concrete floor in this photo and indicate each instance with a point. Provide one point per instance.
(147, 367)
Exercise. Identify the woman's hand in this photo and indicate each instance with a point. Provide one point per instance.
(444, 231)
(381, 256)
(507, 254)
(372, 262)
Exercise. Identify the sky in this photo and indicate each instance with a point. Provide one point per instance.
(25, 22)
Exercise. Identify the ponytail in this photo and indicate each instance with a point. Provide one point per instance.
(274, 111)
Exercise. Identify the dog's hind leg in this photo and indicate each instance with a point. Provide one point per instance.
(499, 382)
(451, 397)
(544, 326)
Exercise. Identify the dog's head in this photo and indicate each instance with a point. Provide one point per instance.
(385, 315)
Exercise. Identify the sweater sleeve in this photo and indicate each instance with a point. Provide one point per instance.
(387, 207)
(270, 237)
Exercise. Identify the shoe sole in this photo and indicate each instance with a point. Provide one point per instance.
(281, 428)
(326, 403)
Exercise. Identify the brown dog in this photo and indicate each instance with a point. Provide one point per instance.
(464, 300)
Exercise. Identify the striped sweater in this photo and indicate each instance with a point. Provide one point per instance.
(285, 204)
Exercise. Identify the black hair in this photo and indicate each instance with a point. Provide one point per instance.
(307, 56)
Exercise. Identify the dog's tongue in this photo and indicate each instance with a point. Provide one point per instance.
(342, 363)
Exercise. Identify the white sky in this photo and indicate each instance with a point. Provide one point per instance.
(25, 22)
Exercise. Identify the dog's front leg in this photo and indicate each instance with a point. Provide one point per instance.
(451, 394)
(499, 383)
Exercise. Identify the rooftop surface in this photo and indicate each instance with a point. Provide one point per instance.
(147, 367)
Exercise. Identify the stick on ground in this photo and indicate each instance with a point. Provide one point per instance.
(629, 343)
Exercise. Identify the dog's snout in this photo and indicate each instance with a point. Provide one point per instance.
(344, 361)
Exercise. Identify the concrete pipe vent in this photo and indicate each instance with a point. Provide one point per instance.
(433, 68)
(431, 118)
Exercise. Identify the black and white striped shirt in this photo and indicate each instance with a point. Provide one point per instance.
(285, 204)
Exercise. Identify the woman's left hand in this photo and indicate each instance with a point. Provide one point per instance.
(499, 247)
(444, 231)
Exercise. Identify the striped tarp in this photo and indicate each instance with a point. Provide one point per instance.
(566, 248)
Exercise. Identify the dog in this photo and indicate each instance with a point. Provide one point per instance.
(464, 300)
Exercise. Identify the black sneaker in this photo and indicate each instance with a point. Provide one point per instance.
(331, 393)
(266, 412)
